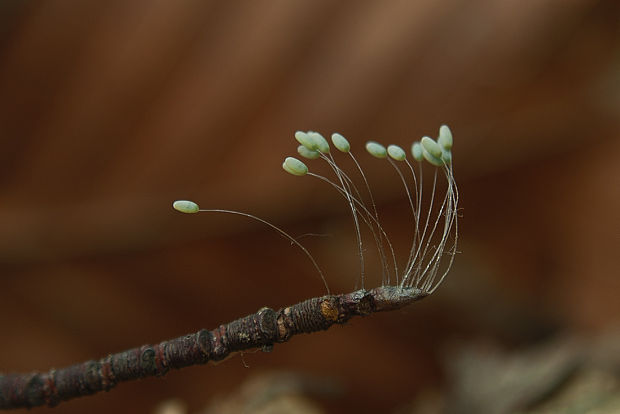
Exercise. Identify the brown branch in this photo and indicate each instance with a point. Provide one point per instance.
(259, 330)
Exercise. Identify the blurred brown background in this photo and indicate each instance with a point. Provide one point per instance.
(111, 110)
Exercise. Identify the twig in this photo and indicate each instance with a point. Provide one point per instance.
(259, 330)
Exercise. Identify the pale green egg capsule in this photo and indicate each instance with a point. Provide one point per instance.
(436, 161)
(445, 137)
(306, 153)
(396, 152)
(294, 166)
(416, 151)
(321, 143)
(431, 147)
(340, 142)
(185, 206)
(376, 150)
(306, 140)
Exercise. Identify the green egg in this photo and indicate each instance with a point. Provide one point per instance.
(306, 153)
(445, 137)
(294, 166)
(431, 147)
(306, 140)
(185, 206)
(321, 143)
(376, 150)
(396, 152)
(416, 151)
(340, 142)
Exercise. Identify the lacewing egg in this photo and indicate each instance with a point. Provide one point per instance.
(376, 150)
(306, 140)
(431, 147)
(396, 152)
(185, 206)
(436, 161)
(416, 151)
(445, 137)
(321, 143)
(307, 153)
(340, 142)
(294, 166)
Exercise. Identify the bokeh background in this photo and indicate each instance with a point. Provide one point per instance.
(111, 110)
